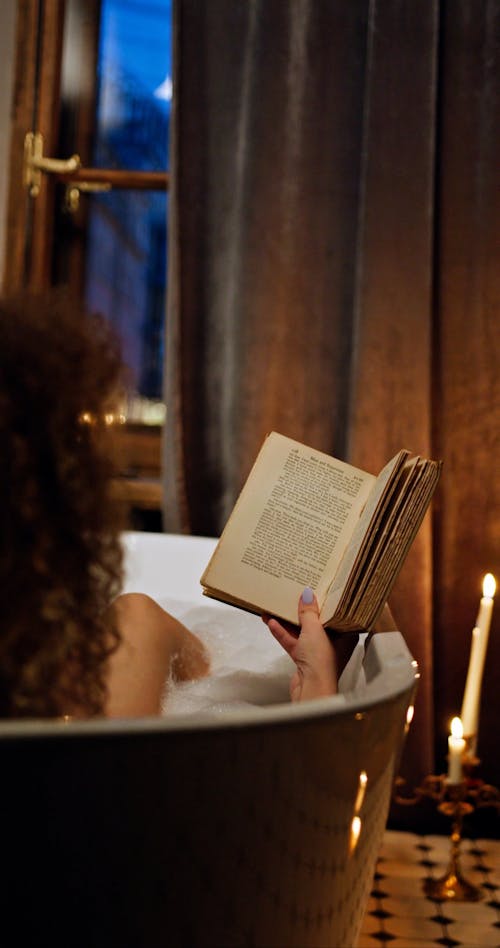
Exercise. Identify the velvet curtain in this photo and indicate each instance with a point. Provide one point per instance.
(333, 275)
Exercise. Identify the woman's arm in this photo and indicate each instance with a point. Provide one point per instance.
(154, 647)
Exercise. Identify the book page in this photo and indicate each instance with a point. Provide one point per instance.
(381, 527)
(394, 519)
(289, 528)
(387, 570)
(387, 543)
(361, 534)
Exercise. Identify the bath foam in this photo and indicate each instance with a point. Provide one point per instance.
(248, 667)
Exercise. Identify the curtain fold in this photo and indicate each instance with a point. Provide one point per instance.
(331, 250)
(390, 392)
(467, 370)
(268, 141)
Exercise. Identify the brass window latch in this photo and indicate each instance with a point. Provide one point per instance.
(35, 164)
(80, 180)
(75, 188)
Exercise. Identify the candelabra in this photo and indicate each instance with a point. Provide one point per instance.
(455, 800)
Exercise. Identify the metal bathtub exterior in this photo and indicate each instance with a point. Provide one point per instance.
(260, 828)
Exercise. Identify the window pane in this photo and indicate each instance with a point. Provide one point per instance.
(127, 242)
(135, 86)
(126, 258)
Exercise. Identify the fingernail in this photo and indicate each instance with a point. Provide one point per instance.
(307, 596)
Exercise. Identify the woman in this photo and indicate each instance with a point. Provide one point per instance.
(69, 644)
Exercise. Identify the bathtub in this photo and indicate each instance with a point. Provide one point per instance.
(257, 827)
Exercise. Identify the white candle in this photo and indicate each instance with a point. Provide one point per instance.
(486, 603)
(480, 633)
(456, 747)
(470, 703)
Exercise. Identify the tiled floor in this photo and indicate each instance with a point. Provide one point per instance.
(400, 916)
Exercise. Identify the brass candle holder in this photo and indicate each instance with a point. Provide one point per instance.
(455, 800)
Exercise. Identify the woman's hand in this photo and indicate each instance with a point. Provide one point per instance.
(310, 649)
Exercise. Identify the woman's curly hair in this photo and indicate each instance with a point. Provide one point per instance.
(60, 555)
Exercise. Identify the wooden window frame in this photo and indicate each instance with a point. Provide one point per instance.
(36, 107)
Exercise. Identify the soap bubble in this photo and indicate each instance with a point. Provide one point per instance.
(248, 668)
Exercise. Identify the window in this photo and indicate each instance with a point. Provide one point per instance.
(93, 78)
(124, 271)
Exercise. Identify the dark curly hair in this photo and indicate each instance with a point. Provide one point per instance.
(60, 555)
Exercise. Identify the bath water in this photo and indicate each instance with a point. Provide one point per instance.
(248, 668)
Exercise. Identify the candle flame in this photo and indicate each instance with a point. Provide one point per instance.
(489, 585)
(457, 728)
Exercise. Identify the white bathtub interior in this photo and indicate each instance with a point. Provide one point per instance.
(249, 669)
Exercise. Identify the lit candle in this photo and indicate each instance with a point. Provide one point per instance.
(486, 603)
(456, 747)
(480, 633)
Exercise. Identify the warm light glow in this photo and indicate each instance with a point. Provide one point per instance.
(363, 780)
(456, 728)
(409, 714)
(489, 586)
(109, 418)
(355, 831)
(114, 419)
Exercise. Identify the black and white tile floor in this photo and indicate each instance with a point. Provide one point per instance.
(399, 915)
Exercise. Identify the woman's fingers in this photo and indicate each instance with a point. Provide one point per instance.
(310, 649)
(286, 639)
(309, 614)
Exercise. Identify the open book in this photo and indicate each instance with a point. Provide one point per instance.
(306, 519)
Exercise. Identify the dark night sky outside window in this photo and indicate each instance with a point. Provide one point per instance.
(127, 238)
